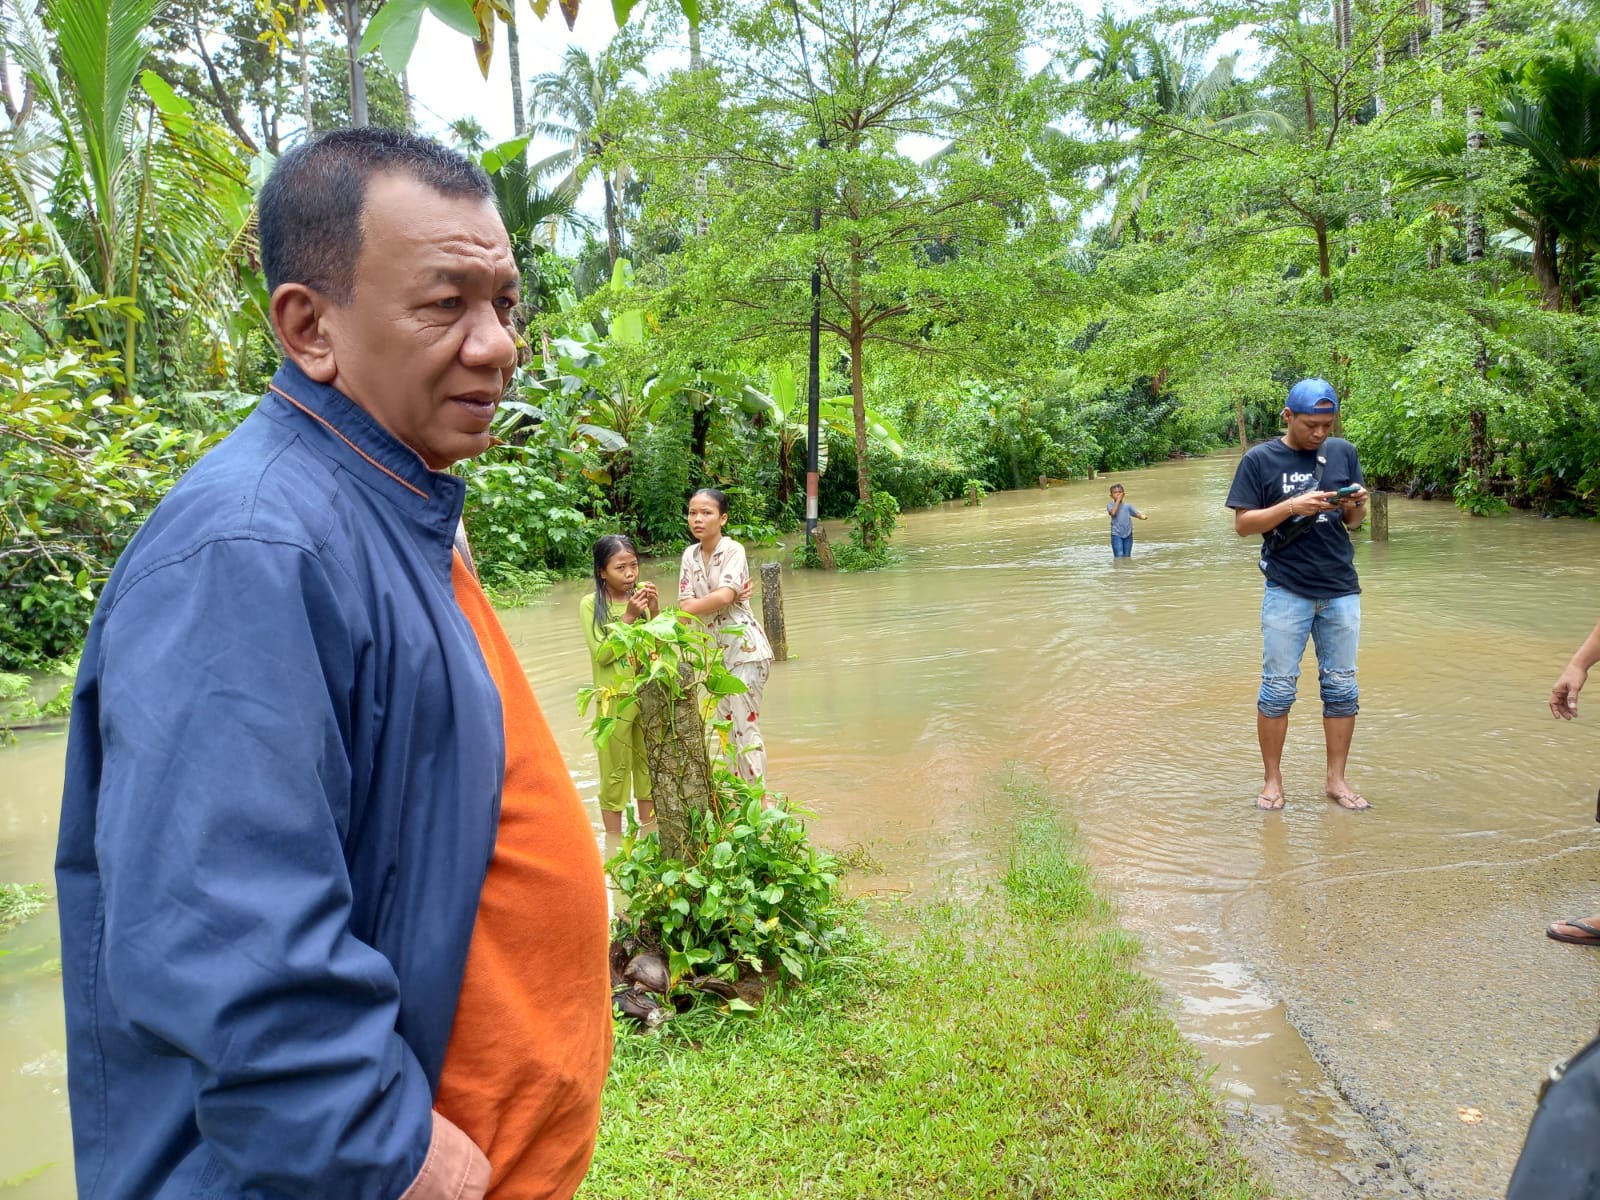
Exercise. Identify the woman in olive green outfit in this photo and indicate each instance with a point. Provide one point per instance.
(622, 761)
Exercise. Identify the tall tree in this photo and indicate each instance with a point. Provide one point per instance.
(1554, 115)
(915, 257)
(574, 105)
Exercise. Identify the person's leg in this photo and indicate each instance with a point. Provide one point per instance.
(1285, 626)
(640, 773)
(748, 750)
(613, 780)
(1337, 634)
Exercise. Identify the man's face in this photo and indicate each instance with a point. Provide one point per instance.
(1307, 431)
(425, 345)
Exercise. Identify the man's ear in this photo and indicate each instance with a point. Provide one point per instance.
(299, 319)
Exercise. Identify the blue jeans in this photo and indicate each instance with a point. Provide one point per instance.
(1287, 620)
(1121, 547)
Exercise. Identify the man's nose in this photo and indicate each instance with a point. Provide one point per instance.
(489, 341)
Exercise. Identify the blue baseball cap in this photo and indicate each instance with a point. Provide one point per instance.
(1315, 396)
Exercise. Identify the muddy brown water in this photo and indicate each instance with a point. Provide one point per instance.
(1373, 991)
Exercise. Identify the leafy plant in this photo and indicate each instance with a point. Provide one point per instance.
(19, 901)
(759, 897)
(871, 524)
(670, 648)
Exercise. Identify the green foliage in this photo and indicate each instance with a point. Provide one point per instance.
(759, 898)
(973, 492)
(671, 649)
(872, 523)
(79, 466)
(18, 707)
(19, 901)
(516, 587)
(524, 516)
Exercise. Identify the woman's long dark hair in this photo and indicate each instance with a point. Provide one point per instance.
(605, 549)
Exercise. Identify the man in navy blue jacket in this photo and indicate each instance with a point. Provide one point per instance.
(286, 751)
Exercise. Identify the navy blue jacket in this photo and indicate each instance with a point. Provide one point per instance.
(282, 790)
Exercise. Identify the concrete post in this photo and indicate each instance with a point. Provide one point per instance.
(1378, 515)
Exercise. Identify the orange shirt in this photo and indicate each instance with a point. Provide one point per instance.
(532, 1037)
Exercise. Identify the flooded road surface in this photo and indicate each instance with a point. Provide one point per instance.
(1374, 990)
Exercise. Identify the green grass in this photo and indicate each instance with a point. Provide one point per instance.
(1010, 1048)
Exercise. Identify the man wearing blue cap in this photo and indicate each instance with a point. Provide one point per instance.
(1303, 493)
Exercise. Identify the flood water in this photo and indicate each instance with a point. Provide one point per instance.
(1374, 990)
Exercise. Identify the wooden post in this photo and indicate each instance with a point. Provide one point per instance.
(1378, 514)
(825, 559)
(772, 610)
(680, 764)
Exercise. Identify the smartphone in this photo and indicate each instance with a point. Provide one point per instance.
(1349, 489)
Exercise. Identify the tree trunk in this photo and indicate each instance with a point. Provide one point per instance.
(613, 235)
(1244, 437)
(1477, 15)
(1436, 31)
(785, 467)
(305, 67)
(702, 220)
(358, 72)
(1545, 268)
(680, 765)
(858, 395)
(405, 96)
(1324, 268)
(699, 435)
(857, 379)
(519, 118)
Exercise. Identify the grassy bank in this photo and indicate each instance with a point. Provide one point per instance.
(1006, 1047)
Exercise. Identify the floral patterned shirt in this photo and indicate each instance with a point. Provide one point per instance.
(728, 568)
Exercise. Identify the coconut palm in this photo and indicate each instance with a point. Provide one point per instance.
(1180, 91)
(574, 102)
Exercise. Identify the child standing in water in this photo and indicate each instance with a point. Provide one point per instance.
(713, 584)
(1122, 515)
(618, 596)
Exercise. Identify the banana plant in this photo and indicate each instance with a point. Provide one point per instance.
(835, 414)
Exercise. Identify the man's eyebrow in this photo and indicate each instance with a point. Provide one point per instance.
(507, 282)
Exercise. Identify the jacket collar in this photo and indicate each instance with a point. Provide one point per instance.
(350, 435)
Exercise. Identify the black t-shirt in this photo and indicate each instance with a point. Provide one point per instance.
(1320, 563)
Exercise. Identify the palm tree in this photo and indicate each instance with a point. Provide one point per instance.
(1556, 119)
(1181, 92)
(576, 99)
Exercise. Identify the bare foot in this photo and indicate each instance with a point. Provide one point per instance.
(1270, 797)
(1346, 796)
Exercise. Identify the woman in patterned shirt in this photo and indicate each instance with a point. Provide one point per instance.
(713, 584)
